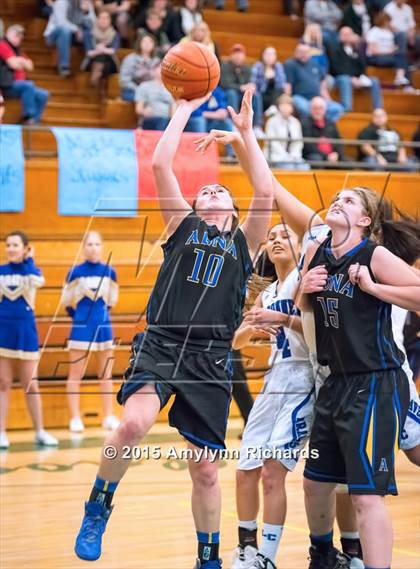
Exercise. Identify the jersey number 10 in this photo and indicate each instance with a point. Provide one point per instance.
(212, 270)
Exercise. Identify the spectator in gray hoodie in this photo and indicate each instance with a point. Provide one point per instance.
(66, 25)
(138, 66)
(327, 14)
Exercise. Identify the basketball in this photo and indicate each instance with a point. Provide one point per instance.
(190, 70)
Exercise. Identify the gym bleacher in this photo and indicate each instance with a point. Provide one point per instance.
(74, 103)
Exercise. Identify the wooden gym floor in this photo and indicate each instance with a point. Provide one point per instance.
(42, 494)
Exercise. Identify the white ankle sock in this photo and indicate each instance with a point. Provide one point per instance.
(249, 525)
(271, 535)
(350, 535)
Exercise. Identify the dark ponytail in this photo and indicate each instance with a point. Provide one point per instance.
(400, 233)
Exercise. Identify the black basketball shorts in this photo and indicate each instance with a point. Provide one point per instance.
(200, 379)
(356, 432)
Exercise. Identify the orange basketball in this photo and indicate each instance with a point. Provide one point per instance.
(190, 70)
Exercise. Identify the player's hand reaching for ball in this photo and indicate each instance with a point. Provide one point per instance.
(243, 119)
(219, 136)
(315, 280)
(360, 275)
(194, 104)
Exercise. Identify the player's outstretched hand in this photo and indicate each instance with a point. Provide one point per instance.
(194, 104)
(243, 119)
(360, 275)
(219, 136)
(315, 280)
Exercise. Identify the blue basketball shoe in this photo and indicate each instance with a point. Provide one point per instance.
(89, 541)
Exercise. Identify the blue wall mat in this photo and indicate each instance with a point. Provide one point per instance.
(97, 172)
(12, 169)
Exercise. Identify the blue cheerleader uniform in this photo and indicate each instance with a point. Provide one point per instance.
(90, 290)
(18, 332)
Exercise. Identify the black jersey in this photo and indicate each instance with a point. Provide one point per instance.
(353, 328)
(200, 289)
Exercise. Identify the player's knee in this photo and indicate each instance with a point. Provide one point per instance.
(312, 488)
(413, 455)
(131, 429)
(204, 475)
(273, 477)
(363, 503)
(245, 478)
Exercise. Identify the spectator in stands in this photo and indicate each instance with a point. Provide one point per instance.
(101, 44)
(171, 24)
(384, 49)
(154, 103)
(154, 27)
(387, 151)
(318, 126)
(286, 154)
(13, 83)
(305, 80)
(119, 11)
(348, 69)
(66, 25)
(201, 34)
(44, 8)
(189, 16)
(402, 21)
(327, 14)
(269, 78)
(312, 36)
(1, 29)
(235, 78)
(241, 5)
(212, 114)
(358, 17)
(138, 66)
(293, 8)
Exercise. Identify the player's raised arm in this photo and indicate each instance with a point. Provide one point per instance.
(257, 221)
(299, 216)
(172, 203)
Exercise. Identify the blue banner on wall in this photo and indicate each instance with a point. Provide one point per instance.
(12, 169)
(97, 172)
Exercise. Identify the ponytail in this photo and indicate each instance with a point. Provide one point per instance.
(401, 235)
(390, 227)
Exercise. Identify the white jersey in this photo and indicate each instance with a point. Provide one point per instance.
(289, 345)
(410, 436)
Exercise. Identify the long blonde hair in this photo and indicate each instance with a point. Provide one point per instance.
(401, 235)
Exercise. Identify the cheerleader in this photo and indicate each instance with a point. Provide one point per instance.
(89, 292)
(19, 279)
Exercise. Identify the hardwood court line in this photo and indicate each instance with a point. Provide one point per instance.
(305, 531)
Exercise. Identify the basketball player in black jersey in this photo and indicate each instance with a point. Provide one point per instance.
(193, 312)
(350, 283)
(402, 237)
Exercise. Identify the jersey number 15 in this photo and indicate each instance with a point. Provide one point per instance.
(330, 310)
